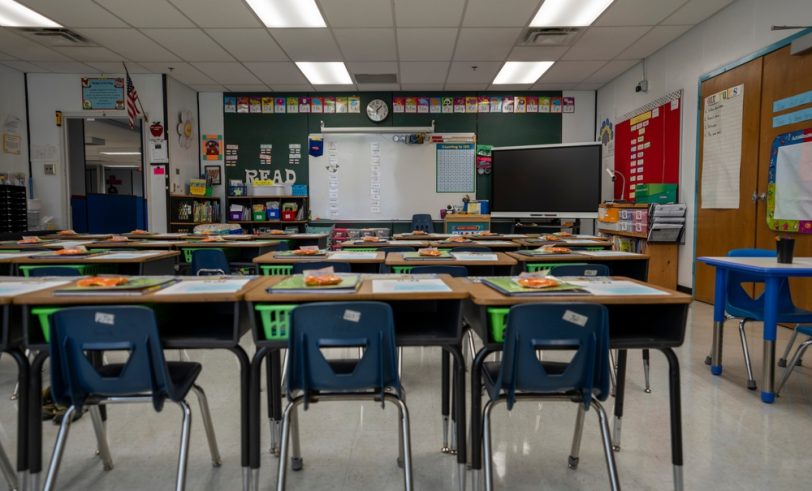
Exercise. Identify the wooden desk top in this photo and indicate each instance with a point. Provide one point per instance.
(259, 293)
(536, 242)
(231, 244)
(157, 235)
(45, 244)
(101, 258)
(396, 259)
(6, 298)
(493, 244)
(135, 244)
(349, 244)
(77, 236)
(270, 258)
(487, 296)
(47, 297)
(412, 236)
(574, 256)
(293, 236)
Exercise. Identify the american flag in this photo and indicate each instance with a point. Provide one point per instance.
(132, 100)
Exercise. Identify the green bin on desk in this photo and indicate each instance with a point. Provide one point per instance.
(276, 269)
(275, 320)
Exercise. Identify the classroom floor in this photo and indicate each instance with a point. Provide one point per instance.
(732, 441)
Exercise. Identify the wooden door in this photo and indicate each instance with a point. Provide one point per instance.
(785, 75)
(718, 231)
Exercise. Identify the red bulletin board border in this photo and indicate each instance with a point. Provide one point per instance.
(647, 145)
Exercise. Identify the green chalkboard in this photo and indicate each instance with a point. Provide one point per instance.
(249, 131)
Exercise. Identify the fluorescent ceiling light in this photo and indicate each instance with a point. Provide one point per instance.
(120, 153)
(521, 72)
(12, 14)
(325, 73)
(569, 13)
(288, 13)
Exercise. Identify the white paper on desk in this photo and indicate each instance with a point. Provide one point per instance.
(70, 243)
(581, 241)
(13, 288)
(410, 242)
(158, 242)
(191, 287)
(615, 287)
(472, 256)
(495, 243)
(409, 286)
(130, 255)
(606, 253)
(348, 255)
(14, 255)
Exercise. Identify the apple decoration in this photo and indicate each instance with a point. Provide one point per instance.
(156, 129)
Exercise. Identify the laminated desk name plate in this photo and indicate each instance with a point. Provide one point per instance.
(350, 255)
(13, 286)
(206, 285)
(409, 284)
(475, 256)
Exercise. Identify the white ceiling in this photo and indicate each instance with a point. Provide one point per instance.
(214, 45)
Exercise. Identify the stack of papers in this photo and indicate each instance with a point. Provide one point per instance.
(349, 255)
(213, 285)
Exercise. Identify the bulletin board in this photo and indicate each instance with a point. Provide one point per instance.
(790, 183)
(647, 145)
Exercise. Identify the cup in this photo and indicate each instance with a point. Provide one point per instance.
(784, 249)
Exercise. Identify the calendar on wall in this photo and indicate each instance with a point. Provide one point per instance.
(456, 171)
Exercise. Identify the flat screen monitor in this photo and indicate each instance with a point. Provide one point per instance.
(561, 180)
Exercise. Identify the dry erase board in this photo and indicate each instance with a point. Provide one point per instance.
(372, 177)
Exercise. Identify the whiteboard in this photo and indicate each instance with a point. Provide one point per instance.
(407, 179)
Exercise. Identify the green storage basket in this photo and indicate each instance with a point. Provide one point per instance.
(402, 269)
(276, 269)
(275, 320)
(498, 318)
(44, 316)
(361, 249)
(536, 267)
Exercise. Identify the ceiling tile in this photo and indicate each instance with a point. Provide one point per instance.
(75, 13)
(6, 56)
(183, 72)
(247, 87)
(504, 13)
(367, 44)
(461, 72)
(426, 44)
(423, 72)
(543, 86)
(189, 44)
(507, 87)
(227, 73)
(208, 88)
(537, 53)
(637, 13)
(307, 44)
(604, 43)
(24, 49)
(357, 13)
(66, 67)
(376, 67)
(147, 13)
(283, 72)
(24, 66)
(334, 88)
(485, 43)
(611, 70)
(422, 87)
(466, 87)
(218, 13)
(292, 88)
(129, 43)
(587, 86)
(696, 11)
(89, 54)
(570, 72)
(379, 87)
(248, 44)
(116, 67)
(428, 13)
(655, 39)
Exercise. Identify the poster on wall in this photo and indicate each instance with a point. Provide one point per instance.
(102, 93)
(789, 183)
(722, 148)
(212, 147)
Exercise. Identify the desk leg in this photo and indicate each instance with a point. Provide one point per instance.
(35, 419)
(719, 299)
(771, 287)
(476, 414)
(445, 374)
(274, 381)
(676, 416)
(620, 391)
(459, 410)
(23, 378)
(253, 416)
(245, 426)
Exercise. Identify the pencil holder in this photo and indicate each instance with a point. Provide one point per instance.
(784, 249)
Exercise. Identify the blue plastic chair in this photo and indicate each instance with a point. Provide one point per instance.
(483, 249)
(453, 271)
(389, 249)
(338, 267)
(145, 377)
(53, 271)
(422, 222)
(579, 327)
(740, 305)
(580, 270)
(207, 262)
(312, 377)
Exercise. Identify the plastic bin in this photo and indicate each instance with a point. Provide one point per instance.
(276, 269)
(536, 267)
(275, 320)
(43, 314)
(402, 269)
(498, 321)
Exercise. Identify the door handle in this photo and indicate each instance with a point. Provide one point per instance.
(762, 196)
(754, 198)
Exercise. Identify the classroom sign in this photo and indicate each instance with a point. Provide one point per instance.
(102, 93)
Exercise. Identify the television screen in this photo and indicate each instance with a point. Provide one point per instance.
(556, 179)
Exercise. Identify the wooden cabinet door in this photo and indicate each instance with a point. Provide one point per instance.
(785, 75)
(718, 231)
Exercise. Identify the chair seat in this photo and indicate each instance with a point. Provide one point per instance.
(790, 316)
(182, 374)
(807, 330)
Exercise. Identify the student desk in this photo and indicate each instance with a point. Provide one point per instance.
(411, 312)
(77, 236)
(135, 244)
(630, 265)
(362, 263)
(125, 262)
(238, 251)
(772, 273)
(299, 239)
(413, 236)
(45, 244)
(502, 265)
(502, 245)
(636, 322)
(185, 321)
(596, 242)
(355, 244)
(157, 236)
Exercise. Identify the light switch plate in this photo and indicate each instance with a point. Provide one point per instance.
(49, 169)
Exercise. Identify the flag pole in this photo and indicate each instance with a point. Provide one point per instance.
(140, 104)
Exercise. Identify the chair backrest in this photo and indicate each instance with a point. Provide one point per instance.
(389, 249)
(580, 327)
(282, 246)
(580, 270)
(422, 222)
(739, 300)
(209, 261)
(455, 271)
(368, 325)
(54, 271)
(338, 267)
(79, 330)
(471, 249)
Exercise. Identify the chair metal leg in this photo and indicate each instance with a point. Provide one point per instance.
(791, 366)
(406, 445)
(607, 445)
(751, 381)
(208, 425)
(576, 438)
(8, 470)
(59, 447)
(612, 374)
(296, 455)
(782, 362)
(646, 370)
(471, 345)
(487, 462)
(183, 453)
(283, 445)
(400, 362)
(101, 437)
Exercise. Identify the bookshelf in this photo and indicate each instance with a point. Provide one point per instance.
(13, 209)
(248, 221)
(186, 211)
